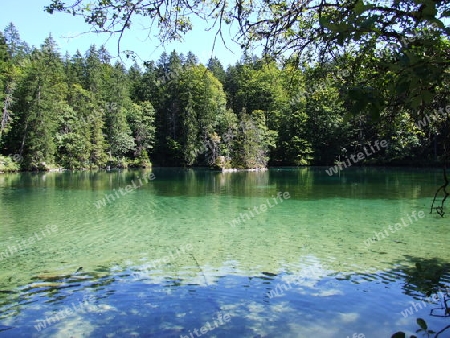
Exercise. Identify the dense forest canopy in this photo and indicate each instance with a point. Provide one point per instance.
(413, 31)
(84, 111)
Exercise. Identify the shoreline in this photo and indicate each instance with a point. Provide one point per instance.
(234, 170)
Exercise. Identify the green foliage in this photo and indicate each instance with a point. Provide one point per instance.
(141, 118)
(72, 148)
(253, 141)
(294, 147)
(8, 77)
(84, 112)
(40, 93)
(423, 329)
(398, 51)
(8, 164)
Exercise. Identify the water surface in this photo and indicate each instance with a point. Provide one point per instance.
(178, 253)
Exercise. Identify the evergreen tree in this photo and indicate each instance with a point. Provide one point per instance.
(141, 118)
(7, 86)
(17, 48)
(215, 67)
(41, 93)
(116, 105)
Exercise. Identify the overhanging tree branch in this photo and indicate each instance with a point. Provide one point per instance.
(440, 208)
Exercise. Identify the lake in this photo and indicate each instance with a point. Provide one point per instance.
(177, 252)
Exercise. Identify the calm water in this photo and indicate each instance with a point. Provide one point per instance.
(194, 253)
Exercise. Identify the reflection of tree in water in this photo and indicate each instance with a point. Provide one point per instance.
(427, 277)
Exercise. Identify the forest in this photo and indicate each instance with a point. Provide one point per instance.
(89, 111)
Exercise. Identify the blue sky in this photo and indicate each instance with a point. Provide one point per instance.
(34, 26)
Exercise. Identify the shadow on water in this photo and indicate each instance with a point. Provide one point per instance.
(425, 276)
(428, 282)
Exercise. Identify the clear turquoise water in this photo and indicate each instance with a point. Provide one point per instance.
(166, 259)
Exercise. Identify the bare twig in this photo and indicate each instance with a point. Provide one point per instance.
(440, 208)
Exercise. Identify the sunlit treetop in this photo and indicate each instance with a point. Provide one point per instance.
(408, 38)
